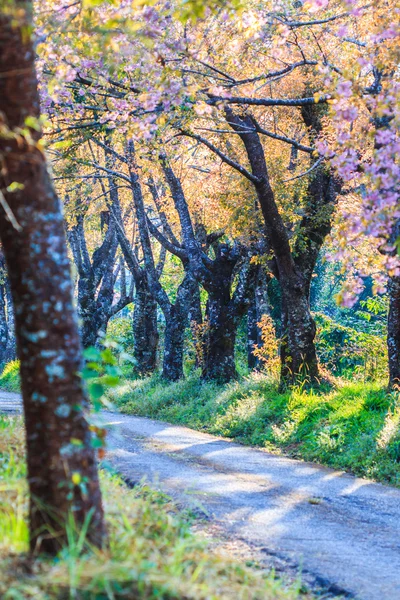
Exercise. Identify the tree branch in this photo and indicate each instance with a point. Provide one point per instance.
(266, 101)
(222, 156)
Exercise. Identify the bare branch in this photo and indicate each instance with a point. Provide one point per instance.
(109, 149)
(272, 74)
(242, 170)
(314, 166)
(295, 24)
(172, 248)
(266, 101)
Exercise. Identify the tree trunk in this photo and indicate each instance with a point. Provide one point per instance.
(196, 325)
(173, 345)
(4, 331)
(11, 344)
(298, 355)
(145, 330)
(252, 335)
(220, 337)
(62, 470)
(259, 306)
(393, 333)
(293, 268)
(7, 334)
(86, 310)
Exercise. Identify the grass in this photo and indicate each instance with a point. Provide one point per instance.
(152, 551)
(9, 378)
(353, 426)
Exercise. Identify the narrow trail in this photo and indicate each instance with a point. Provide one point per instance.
(342, 532)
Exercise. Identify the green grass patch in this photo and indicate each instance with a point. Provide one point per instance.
(352, 426)
(152, 551)
(9, 378)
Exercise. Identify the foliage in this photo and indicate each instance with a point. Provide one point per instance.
(152, 552)
(9, 378)
(268, 352)
(346, 351)
(119, 330)
(13, 501)
(354, 426)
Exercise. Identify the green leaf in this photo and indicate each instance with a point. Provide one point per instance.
(113, 370)
(108, 357)
(92, 354)
(110, 380)
(33, 123)
(96, 390)
(97, 443)
(76, 442)
(89, 374)
(14, 186)
(96, 366)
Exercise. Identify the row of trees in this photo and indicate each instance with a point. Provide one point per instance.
(185, 153)
(193, 163)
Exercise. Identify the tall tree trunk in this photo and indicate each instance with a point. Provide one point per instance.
(196, 323)
(4, 331)
(105, 296)
(220, 337)
(298, 354)
(11, 344)
(94, 301)
(145, 332)
(393, 332)
(259, 306)
(173, 345)
(252, 335)
(86, 310)
(292, 268)
(176, 321)
(62, 474)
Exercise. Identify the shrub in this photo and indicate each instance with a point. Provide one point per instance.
(120, 330)
(345, 351)
(9, 379)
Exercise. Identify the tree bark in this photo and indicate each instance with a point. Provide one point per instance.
(173, 345)
(7, 333)
(393, 332)
(220, 337)
(95, 282)
(259, 306)
(176, 321)
(252, 335)
(393, 324)
(145, 331)
(4, 330)
(298, 354)
(62, 470)
(196, 323)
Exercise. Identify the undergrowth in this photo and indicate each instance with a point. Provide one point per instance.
(9, 378)
(352, 426)
(152, 552)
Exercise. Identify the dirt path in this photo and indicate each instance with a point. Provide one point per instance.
(10, 402)
(341, 531)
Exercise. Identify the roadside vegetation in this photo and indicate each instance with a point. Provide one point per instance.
(199, 222)
(151, 551)
(349, 425)
(9, 378)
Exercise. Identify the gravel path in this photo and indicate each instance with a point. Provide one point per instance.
(341, 532)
